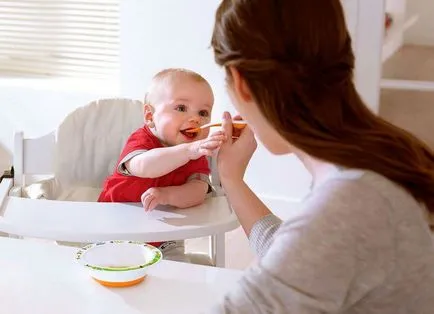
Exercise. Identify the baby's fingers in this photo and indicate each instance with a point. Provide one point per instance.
(205, 152)
(217, 133)
(154, 203)
(217, 136)
(211, 144)
(143, 198)
(209, 148)
(148, 200)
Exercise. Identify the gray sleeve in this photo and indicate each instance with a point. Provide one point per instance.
(201, 177)
(121, 166)
(262, 234)
(321, 260)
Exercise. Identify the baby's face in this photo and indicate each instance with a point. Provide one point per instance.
(182, 104)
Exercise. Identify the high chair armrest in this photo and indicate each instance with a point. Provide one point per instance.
(5, 186)
(6, 183)
(16, 191)
(45, 189)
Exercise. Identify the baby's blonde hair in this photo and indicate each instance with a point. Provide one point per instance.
(169, 75)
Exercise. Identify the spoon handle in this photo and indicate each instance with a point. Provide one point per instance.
(238, 124)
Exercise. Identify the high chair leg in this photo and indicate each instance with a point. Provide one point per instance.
(217, 248)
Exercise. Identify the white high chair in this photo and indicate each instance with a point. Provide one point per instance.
(66, 168)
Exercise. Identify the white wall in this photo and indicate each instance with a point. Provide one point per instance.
(368, 42)
(159, 34)
(168, 33)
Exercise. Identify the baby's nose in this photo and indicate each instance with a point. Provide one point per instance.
(195, 118)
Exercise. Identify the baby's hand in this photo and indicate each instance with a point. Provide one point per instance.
(206, 146)
(153, 197)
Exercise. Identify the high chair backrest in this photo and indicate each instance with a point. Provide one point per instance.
(84, 149)
(90, 139)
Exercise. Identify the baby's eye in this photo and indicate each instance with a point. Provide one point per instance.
(181, 108)
(204, 113)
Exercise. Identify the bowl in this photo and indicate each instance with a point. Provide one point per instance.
(118, 263)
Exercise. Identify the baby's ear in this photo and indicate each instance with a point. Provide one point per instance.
(148, 110)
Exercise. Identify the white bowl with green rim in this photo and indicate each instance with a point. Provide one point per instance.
(118, 263)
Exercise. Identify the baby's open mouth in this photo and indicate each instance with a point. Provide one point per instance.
(188, 133)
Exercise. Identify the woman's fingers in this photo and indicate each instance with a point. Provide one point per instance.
(236, 132)
(237, 117)
(227, 127)
(247, 139)
(247, 132)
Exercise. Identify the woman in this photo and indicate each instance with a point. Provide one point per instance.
(362, 242)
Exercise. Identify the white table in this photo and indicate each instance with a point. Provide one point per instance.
(92, 221)
(42, 278)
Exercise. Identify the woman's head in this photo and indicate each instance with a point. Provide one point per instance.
(289, 67)
(293, 58)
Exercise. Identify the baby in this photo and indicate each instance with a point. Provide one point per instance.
(163, 163)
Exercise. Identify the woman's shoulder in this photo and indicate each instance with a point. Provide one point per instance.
(361, 200)
(347, 203)
(348, 192)
(360, 188)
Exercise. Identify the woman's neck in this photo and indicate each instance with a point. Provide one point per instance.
(320, 170)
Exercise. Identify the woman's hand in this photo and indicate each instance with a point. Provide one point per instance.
(235, 153)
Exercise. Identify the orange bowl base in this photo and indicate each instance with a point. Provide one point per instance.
(120, 284)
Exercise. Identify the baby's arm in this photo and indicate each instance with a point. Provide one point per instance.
(189, 194)
(160, 161)
(182, 196)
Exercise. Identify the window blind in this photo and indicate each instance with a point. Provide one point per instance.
(59, 38)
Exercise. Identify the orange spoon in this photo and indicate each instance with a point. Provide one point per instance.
(237, 124)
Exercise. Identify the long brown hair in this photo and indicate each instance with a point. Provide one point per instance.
(297, 59)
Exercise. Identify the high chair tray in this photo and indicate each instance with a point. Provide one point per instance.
(92, 221)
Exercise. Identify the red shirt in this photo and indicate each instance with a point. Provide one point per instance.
(121, 187)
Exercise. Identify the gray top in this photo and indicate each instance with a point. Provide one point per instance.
(360, 245)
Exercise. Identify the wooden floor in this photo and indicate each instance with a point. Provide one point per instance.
(411, 63)
(412, 110)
